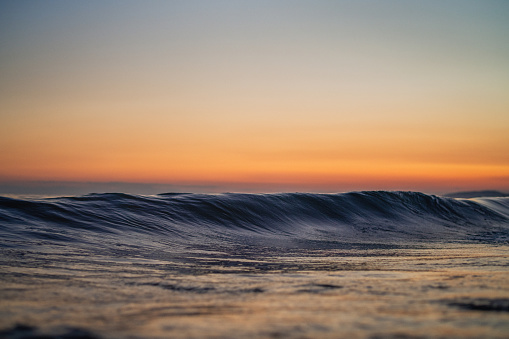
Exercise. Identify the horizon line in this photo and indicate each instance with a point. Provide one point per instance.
(63, 187)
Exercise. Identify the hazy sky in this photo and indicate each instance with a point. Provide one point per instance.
(256, 95)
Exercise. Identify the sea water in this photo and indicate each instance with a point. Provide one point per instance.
(354, 265)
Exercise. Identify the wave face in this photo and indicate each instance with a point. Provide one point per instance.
(186, 218)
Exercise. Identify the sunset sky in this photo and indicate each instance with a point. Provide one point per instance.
(261, 96)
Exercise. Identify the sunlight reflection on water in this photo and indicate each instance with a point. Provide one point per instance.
(354, 293)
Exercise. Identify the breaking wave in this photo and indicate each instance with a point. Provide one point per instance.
(379, 216)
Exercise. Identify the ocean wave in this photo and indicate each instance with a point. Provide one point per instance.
(375, 216)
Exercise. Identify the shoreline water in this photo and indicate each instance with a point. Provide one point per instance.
(447, 291)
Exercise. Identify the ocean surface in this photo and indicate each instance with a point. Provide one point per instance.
(293, 265)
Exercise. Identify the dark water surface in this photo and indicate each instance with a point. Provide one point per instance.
(355, 265)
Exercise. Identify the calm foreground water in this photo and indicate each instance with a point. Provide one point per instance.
(453, 291)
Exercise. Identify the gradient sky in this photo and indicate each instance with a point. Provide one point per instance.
(256, 95)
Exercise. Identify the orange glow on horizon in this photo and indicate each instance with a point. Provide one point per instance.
(286, 96)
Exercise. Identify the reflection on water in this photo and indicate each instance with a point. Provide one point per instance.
(449, 291)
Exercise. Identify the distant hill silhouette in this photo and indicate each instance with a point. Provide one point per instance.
(476, 194)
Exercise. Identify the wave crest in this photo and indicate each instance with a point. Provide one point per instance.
(361, 216)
